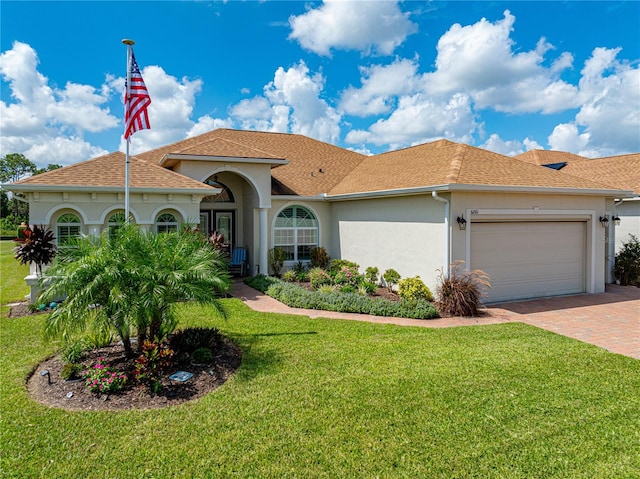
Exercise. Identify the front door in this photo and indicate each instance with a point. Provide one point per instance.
(223, 223)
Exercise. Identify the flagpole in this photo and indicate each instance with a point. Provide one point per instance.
(129, 44)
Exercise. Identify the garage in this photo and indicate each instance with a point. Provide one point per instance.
(530, 259)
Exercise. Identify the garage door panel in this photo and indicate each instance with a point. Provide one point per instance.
(534, 259)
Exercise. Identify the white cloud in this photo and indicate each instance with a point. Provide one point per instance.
(566, 137)
(47, 124)
(206, 124)
(509, 147)
(419, 119)
(371, 27)
(381, 84)
(291, 103)
(479, 59)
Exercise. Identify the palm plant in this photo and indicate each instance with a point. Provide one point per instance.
(130, 283)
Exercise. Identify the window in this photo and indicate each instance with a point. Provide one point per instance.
(166, 223)
(296, 232)
(225, 196)
(68, 227)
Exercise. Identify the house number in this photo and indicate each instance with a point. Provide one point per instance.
(474, 212)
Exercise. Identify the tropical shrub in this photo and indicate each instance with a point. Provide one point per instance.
(327, 289)
(202, 356)
(276, 259)
(413, 289)
(191, 339)
(37, 246)
(319, 257)
(101, 378)
(151, 364)
(391, 278)
(319, 277)
(300, 272)
(368, 287)
(336, 265)
(72, 351)
(371, 274)
(289, 276)
(460, 292)
(130, 281)
(627, 267)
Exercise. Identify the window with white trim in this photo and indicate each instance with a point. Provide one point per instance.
(296, 232)
(68, 227)
(116, 220)
(166, 223)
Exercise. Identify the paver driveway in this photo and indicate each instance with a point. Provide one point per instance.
(610, 320)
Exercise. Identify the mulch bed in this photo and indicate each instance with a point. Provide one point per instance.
(74, 395)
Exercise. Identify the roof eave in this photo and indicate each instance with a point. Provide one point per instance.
(170, 160)
(209, 190)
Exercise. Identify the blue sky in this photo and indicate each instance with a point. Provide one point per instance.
(366, 75)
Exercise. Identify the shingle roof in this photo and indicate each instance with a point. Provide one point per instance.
(109, 171)
(446, 163)
(315, 167)
(548, 157)
(621, 172)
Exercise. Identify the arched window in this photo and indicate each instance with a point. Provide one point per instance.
(68, 227)
(296, 232)
(166, 223)
(225, 196)
(116, 220)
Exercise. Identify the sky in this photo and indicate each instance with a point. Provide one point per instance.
(371, 76)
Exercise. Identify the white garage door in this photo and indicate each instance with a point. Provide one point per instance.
(530, 259)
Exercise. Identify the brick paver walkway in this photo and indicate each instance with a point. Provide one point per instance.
(610, 320)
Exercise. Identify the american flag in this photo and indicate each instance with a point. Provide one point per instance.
(135, 105)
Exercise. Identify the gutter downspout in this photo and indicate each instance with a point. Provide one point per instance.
(434, 195)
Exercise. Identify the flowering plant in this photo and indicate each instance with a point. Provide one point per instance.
(100, 378)
(348, 276)
(155, 358)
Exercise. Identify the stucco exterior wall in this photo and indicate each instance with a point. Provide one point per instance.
(407, 234)
(94, 209)
(629, 213)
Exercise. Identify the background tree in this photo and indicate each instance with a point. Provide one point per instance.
(15, 166)
(49, 167)
(131, 281)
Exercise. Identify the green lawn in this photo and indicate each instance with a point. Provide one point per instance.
(12, 273)
(344, 399)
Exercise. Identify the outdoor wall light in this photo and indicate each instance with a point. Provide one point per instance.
(462, 223)
(604, 221)
(616, 220)
(48, 374)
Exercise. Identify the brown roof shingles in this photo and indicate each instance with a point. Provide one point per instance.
(444, 162)
(315, 167)
(109, 171)
(548, 157)
(621, 172)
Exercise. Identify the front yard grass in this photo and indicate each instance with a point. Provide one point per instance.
(12, 273)
(320, 398)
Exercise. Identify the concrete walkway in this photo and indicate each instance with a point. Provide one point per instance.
(610, 320)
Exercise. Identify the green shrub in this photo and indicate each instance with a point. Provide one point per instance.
(347, 289)
(627, 268)
(348, 276)
(413, 289)
(369, 287)
(202, 356)
(327, 289)
(336, 265)
(319, 277)
(261, 282)
(460, 292)
(72, 352)
(319, 257)
(289, 276)
(327, 299)
(371, 274)
(277, 256)
(300, 271)
(391, 278)
(186, 341)
(71, 371)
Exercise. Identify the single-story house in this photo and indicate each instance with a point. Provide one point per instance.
(536, 231)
